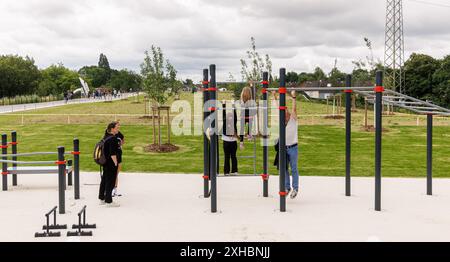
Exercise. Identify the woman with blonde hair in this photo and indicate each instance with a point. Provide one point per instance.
(247, 115)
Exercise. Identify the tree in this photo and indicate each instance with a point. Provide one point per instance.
(159, 81)
(159, 76)
(63, 80)
(253, 68)
(419, 69)
(104, 63)
(291, 77)
(18, 75)
(441, 80)
(94, 75)
(319, 74)
(124, 80)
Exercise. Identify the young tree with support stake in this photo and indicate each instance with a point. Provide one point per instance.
(160, 83)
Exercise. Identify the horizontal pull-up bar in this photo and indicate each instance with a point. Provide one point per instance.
(324, 88)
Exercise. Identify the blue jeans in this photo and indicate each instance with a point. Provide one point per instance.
(292, 158)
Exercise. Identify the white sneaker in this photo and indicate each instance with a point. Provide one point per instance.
(235, 174)
(227, 174)
(113, 193)
(294, 194)
(113, 204)
(102, 202)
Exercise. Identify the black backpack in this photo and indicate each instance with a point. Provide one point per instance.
(99, 151)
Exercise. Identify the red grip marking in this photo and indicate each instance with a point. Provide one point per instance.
(379, 89)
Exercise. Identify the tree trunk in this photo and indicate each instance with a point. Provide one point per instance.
(168, 126)
(154, 125)
(159, 127)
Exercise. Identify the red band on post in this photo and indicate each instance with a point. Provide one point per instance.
(206, 177)
(265, 176)
(205, 82)
(75, 153)
(283, 107)
(212, 109)
(379, 89)
(61, 162)
(4, 146)
(4, 173)
(348, 91)
(282, 90)
(264, 91)
(283, 193)
(265, 82)
(212, 89)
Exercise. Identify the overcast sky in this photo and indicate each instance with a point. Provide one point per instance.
(297, 34)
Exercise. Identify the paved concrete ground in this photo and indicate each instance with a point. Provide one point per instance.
(169, 207)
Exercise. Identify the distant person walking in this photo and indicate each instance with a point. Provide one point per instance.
(110, 168)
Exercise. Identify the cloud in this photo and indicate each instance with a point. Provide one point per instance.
(297, 34)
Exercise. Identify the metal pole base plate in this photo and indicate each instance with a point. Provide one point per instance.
(79, 234)
(84, 226)
(50, 234)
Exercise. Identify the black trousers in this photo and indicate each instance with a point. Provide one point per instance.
(230, 149)
(107, 183)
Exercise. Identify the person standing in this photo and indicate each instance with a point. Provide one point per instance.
(292, 147)
(229, 138)
(120, 140)
(108, 180)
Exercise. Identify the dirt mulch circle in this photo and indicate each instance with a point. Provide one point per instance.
(164, 148)
(371, 128)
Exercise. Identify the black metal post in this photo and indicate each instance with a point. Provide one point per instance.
(265, 135)
(69, 174)
(4, 165)
(76, 167)
(14, 151)
(430, 154)
(282, 140)
(378, 133)
(61, 180)
(206, 156)
(213, 147)
(348, 134)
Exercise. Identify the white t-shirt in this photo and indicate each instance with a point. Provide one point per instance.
(292, 132)
(229, 138)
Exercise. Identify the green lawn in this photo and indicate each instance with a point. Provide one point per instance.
(322, 141)
(322, 150)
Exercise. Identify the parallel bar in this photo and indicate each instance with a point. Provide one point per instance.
(378, 133)
(265, 85)
(206, 155)
(282, 141)
(213, 147)
(348, 135)
(429, 154)
(14, 151)
(27, 162)
(4, 164)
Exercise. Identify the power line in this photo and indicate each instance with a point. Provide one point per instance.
(430, 3)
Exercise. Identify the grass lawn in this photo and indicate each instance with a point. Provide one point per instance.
(322, 141)
(322, 150)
